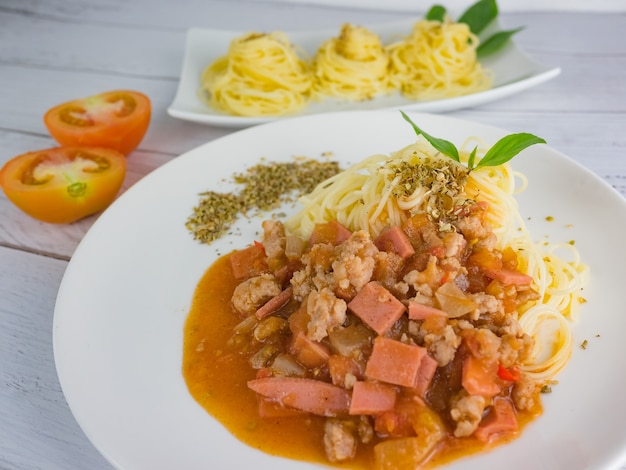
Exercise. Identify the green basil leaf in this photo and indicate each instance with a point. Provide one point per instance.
(507, 147)
(479, 15)
(472, 158)
(445, 147)
(495, 42)
(436, 13)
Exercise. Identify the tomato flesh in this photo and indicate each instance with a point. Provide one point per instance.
(115, 119)
(63, 184)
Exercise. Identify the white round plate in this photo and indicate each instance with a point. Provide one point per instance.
(121, 308)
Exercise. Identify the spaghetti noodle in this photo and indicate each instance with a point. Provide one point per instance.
(261, 75)
(437, 60)
(353, 65)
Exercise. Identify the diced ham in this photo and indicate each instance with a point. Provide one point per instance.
(477, 380)
(394, 362)
(330, 232)
(509, 277)
(377, 307)
(501, 419)
(418, 311)
(396, 241)
(274, 304)
(309, 353)
(371, 398)
(312, 396)
(425, 374)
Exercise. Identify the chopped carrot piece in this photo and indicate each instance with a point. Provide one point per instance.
(371, 398)
(248, 262)
(342, 367)
(394, 362)
(309, 353)
(377, 307)
(477, 380)
(313, 396)
(396, 241)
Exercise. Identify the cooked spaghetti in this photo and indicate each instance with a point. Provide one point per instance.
(384, 191)
(261, 75)
(352, 66)
(437, 60)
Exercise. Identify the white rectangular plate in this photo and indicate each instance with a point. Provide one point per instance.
(514, 71)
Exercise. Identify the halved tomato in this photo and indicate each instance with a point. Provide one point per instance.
(116, 119)
(63, 184)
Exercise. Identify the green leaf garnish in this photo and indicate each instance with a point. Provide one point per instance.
(479, 15)
(445, 147)
(436, 13)
(472, 157)
(507, 147)
(501, 152)
(495, 42)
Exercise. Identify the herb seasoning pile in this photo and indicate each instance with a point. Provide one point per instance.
(264, 187)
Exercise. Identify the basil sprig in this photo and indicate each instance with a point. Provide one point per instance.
(501, 152)
(477, 17)
(436, 13)
(495, 42)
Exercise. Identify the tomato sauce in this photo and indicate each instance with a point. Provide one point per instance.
(217, 379)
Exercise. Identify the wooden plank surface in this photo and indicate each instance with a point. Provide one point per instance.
(57, 50)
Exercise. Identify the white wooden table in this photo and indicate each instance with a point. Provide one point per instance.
(57, 50)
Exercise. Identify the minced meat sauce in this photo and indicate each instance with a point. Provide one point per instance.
(397, 351)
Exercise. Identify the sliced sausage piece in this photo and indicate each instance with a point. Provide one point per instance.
(312, 396)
